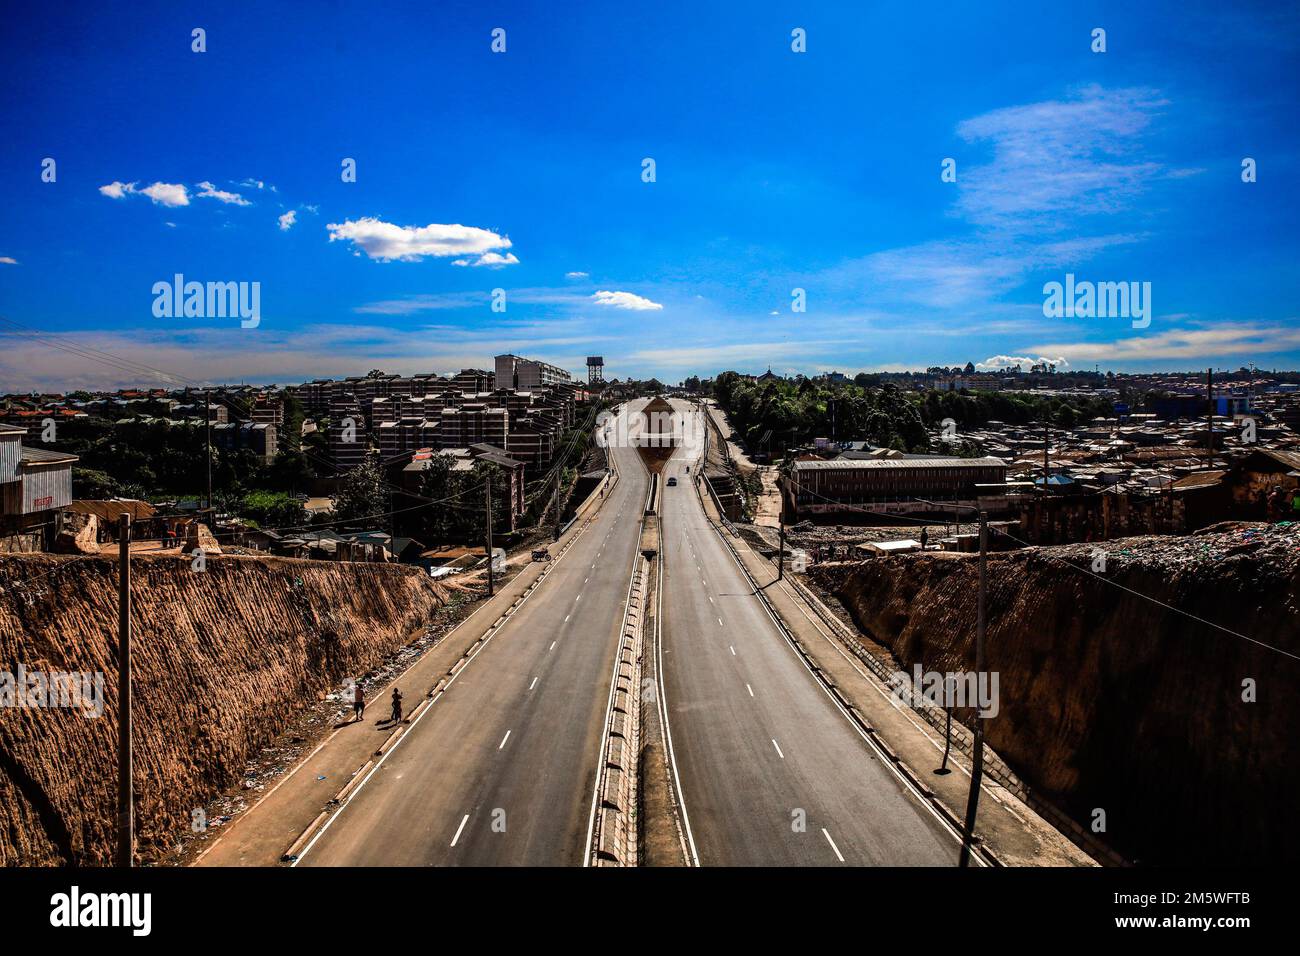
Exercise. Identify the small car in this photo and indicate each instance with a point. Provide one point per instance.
(672, 482)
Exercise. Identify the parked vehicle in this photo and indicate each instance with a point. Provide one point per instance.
(672, 482)
(541, 554)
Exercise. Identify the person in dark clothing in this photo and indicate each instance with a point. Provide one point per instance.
(925, 537)
(397, 706)
(358, 703)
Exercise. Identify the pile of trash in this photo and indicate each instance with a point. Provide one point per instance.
(1277, 545)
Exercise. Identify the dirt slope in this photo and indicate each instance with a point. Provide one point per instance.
(221, 660)
(1112, 701)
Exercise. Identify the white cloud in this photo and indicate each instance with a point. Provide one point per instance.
(167, 194)
(625, 300)
(116, 190)
(209, 191)
(1206, 344)
(576, 275)
(385, 241)
(8, 260)
(493, 260)
(1025, 361)
(288, 219)
(1057, 161)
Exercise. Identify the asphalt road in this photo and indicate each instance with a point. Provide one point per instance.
(501, 769)
(769, 770)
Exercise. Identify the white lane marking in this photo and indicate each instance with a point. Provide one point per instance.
(778, 748)
(750, 689)
(720, 624)
(733, 649)
(553, 643)
(503, 740)
(458, 829)
(533, 684)
(566, 621)
(577, 599)
(586, 579)
(711, 601)
(838, 855)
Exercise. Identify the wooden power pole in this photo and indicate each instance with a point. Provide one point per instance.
(125, 808)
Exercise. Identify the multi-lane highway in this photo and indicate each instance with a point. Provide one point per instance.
(501, 769)
(769, 770)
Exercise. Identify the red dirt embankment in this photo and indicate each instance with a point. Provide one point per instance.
(1111, 701)
(221, 660)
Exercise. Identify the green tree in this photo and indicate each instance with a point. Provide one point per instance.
(363, 494)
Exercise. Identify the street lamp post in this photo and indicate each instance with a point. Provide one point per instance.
(977, 756)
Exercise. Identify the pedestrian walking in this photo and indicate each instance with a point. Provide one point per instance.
(358, 703)
(397, 706)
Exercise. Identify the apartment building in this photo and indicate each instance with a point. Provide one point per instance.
(348, 435)
(257, 437)
(515, 372)
(472, 423)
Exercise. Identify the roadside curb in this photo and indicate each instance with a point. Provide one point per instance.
(336, 803)
(911, 779)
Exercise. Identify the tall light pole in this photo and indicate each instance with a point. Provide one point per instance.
(207, 425)
(487, 497)
(977, 755)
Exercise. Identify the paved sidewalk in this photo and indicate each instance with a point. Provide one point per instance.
(1013, 832)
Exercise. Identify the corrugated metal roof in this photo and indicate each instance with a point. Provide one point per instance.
(42, 456)
(858, 464)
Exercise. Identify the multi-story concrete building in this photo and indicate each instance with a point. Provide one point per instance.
(472, 423)
(514, 372)
(258, 437)
(347, 434)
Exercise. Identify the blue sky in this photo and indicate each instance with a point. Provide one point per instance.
(775, 170)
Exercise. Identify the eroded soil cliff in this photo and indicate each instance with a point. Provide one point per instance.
(1112, 700)
(221, 660)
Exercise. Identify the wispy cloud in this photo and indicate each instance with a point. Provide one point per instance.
(1209, 343)
(1058, 161)
(493, 260)
(1060, 171)
(209, 191)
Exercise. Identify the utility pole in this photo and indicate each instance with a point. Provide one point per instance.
(977, 755)
(207, 425)
(1047, 441)
(780, 554)
(487, 496)
(1209, 416)
(125, 808)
